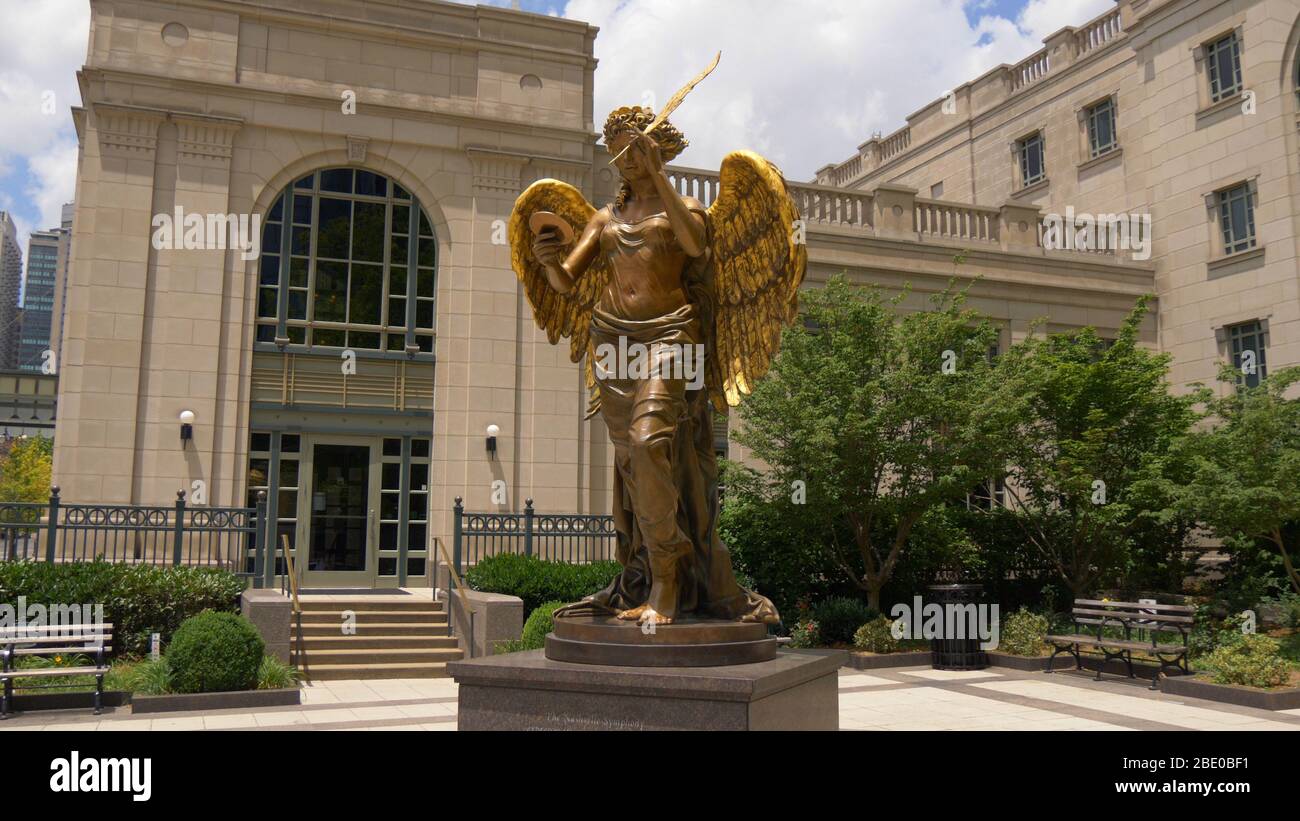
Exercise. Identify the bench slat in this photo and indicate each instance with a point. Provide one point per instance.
(1126, 616)
(1174, 608)
(106, 627)
(46, 672)
(41, 651)
(1125, 643)
(56, 639)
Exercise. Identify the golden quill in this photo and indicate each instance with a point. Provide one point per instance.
(673, 102)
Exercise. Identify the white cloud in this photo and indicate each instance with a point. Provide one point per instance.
(802, 84)
(1040, 18)
(42, 44)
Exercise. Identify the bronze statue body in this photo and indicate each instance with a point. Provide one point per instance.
(704, 293)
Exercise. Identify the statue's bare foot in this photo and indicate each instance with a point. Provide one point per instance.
(651, 616)
(645, 614)
(634, 614)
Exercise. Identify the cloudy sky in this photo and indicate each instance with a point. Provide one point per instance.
(801, 82)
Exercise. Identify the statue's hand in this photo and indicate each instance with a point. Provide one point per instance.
(547, 247)
(645, 151)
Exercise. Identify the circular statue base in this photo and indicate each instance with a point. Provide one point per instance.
(686, 642)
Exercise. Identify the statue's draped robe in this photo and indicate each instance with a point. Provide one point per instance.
(665, 499)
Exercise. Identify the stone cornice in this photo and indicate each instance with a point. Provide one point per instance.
(466, 117)
(129, 130)
(338, 24)
(133, 129)
(204, 137)
(1056, 271)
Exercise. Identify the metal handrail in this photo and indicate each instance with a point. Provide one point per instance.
(460, 589)
(290, 573)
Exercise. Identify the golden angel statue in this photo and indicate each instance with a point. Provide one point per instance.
(661, 276)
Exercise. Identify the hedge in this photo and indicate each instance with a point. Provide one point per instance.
(138, 599)
(537, 581)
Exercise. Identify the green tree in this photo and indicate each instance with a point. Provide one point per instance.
(1088, 462)
(1245, 478)
(871, 417)
(25, 466)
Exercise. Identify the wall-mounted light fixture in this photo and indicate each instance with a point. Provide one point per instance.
(492, 431)
(187, 426)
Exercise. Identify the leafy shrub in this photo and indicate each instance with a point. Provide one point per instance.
(214, 652)
(773, 551)
(137, 599)
(1253, 661)
(540, 622)
(1022, 634)
(805, 634)
(1289, 604)
(536, 580)
(876, 636)
(274, 674)
(1210, 632)
(148, 677)
(839, 617)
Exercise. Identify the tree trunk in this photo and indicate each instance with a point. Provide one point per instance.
(873, 598)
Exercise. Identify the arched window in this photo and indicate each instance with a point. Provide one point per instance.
(348, 261)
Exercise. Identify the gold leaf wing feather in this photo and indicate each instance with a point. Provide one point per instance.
(560, 315)
(757, 268)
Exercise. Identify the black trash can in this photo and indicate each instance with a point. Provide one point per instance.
(957, 653)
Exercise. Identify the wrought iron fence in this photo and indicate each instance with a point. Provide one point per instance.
(577, 538)
(180, 534)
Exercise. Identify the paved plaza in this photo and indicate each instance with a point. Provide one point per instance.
(916, 698)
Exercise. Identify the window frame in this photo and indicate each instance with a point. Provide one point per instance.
(280, 277)
(1022, 158)
(1090, 118)
(1224, 199)
(1228, 42)
(1235, 336)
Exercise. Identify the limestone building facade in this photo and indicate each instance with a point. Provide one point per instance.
(1181, 110)
(350, 364)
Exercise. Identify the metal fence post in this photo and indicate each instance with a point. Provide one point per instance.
(52, 526)
(528, 527)
(259, 536)
(459, 509)
(178, 529)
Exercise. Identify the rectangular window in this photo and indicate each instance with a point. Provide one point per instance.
(1247, 344)
(1237, 219)
(988, 494)
(1031, 160)
(1101, 128)
(1223, 58)
(936, 191)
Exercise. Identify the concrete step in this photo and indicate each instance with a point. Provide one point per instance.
(339, 672)
(374, 657)
(374, 641)
(436, 627)
(335, 617)
(369, 604)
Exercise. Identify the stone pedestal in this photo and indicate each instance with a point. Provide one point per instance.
(270, 611)
(796, 690)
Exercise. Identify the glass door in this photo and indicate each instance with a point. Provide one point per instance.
(340, 516)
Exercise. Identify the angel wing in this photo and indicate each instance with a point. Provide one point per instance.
(757, 268)
(558, 314)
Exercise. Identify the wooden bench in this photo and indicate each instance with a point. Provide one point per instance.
(91, 640)
(1142, 625)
